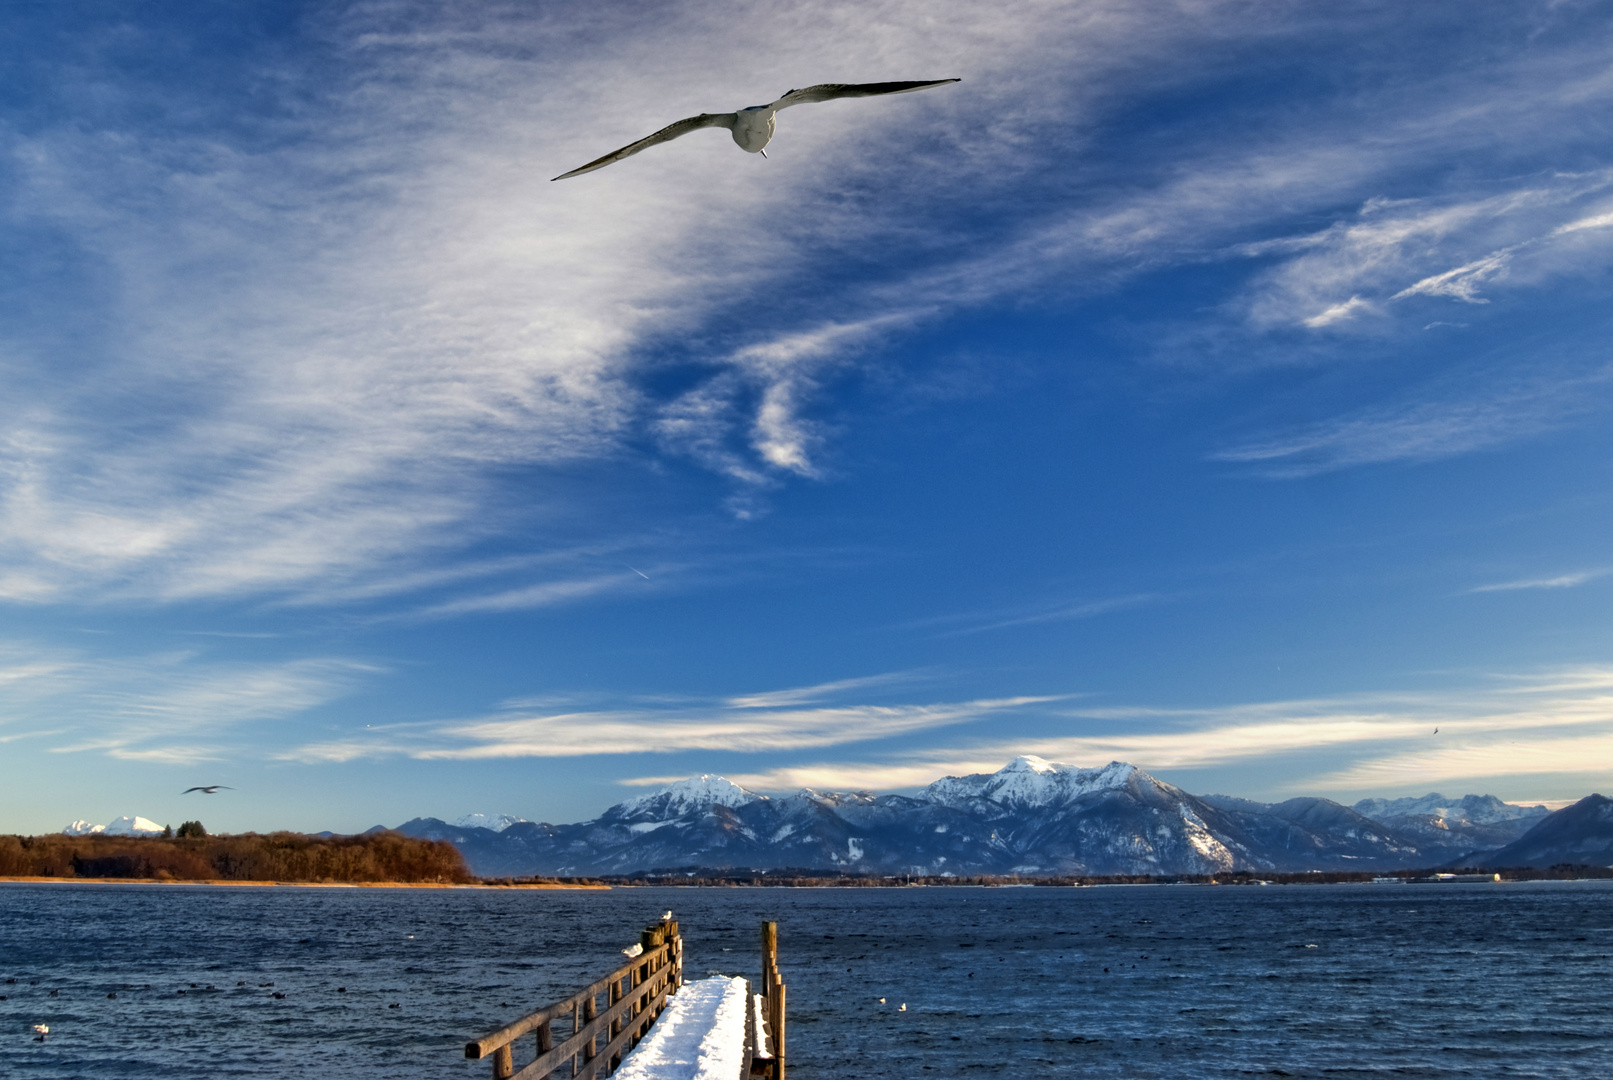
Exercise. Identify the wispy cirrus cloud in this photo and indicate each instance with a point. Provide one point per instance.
(1561, 581)
(170, 706)
(1392, 251)
(738, 725)
(1551, 722)
(1427, 430)
(346, 321)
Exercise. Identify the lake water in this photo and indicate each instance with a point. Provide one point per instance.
(1447, 980)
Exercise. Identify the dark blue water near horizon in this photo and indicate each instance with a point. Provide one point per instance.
(1446, 980)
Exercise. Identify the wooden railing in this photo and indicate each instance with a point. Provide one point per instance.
(765, 1044)
(635, 994)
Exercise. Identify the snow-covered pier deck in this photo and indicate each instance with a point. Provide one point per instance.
(653, 1025)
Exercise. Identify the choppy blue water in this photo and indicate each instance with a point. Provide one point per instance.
(1448, 980)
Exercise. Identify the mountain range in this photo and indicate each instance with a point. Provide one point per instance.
(1032, 817)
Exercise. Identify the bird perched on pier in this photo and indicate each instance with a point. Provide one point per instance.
(666, 916)
(752, 128)
(633, 950)
(207, 789)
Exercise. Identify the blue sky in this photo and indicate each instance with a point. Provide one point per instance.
(1222, 387)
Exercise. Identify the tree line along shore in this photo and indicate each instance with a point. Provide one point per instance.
(381, 857)
(387, 857)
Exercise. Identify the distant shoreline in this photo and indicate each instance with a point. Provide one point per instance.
(25, 880)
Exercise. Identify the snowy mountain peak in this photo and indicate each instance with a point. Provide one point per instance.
(696, 793)
(495, 822)
(132, 825)
(1031, 781)
(83, 828)
(1468, 810)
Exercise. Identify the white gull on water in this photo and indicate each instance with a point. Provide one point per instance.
(700, 1036)
(753, 127)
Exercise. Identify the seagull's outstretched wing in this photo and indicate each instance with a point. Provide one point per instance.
(830, 91)
(666, 134)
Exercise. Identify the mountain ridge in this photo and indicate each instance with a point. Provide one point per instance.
(1032, 817)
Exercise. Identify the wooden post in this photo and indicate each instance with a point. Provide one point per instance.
(590, 1010)
(503, 1063)
(778, 1052)
(615, 1029)
(773, 994)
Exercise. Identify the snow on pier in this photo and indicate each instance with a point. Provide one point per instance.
(652, 1025)
(700, 1036)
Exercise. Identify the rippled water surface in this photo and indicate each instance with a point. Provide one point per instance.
(1448, 980)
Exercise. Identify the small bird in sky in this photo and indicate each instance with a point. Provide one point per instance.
(207, 789)
(1436, 731)
(752, 128)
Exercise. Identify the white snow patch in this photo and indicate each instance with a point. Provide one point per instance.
(764, 1037)
(700, 1036)
(83, 828)
(854, 848)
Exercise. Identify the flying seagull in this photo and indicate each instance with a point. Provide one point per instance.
(208, 789)
(753, 127)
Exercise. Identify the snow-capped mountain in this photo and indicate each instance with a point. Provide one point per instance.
(1029, 781)
(128, 825)
(1030, 817)
(495, 822)
(686, 796)
(1468, 810)
(1473, 822)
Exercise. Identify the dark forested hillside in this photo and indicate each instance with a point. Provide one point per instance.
(283, 856)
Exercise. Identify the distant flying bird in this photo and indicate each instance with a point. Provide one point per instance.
(207, 789)
(1436, 731)
(753, 127)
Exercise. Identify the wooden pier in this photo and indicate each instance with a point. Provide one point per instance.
(598, 1035)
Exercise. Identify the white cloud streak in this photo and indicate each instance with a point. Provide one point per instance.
(170, 706)
(740, 726)
(1427, 430)
(1551, 723)
(1561, 581)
